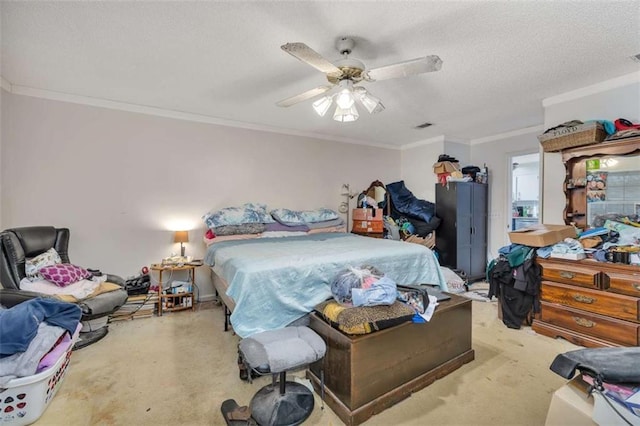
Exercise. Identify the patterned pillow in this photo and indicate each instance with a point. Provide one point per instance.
(287, 216)
(64, 274)
(248, 213)
(33, 265)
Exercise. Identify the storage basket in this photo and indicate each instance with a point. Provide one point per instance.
(572, 136)
(24, 399)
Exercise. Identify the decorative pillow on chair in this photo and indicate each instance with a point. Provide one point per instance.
(64, 274)
(364, 319)
(32, 266)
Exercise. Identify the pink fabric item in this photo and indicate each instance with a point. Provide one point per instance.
(64, 274)
(219, 239)
(209, 234)
(368, 282)
(58, 350)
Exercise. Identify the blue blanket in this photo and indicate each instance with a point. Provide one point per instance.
(405, 202)
(274, 281)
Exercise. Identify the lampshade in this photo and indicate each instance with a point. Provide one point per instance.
(181, 237)
(370, 102)
(346, 114)
(322, 105)
(344, 98)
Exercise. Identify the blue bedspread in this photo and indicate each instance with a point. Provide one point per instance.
(274, 281)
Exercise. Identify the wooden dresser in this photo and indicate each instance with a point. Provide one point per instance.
(589, 303)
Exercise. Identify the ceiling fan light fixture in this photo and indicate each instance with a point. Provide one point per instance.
(346, 115)
(322, 105)
(370, 102)
(345, 99)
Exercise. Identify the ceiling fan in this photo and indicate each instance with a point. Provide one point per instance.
(345, 75)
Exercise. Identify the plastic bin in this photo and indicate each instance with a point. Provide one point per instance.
(24, 399)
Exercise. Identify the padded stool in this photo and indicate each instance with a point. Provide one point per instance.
(279, 351)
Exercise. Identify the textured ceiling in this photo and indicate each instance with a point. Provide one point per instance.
(223, 59)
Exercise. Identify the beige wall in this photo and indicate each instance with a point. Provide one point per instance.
(121, 180)
(495, 155)
(417, 169)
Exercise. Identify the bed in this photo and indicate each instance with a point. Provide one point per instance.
(267, 283)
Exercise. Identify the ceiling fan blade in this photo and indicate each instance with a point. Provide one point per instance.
(311, 57)
(406, 68)
(303, 96)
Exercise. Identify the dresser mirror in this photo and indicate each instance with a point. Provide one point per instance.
(602, 179)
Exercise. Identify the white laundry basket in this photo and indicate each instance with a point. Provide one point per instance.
(24, 399)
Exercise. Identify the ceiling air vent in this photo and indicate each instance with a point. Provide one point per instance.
(423, 125)
(636, 57)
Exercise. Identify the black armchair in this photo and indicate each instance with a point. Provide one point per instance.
(19, 244)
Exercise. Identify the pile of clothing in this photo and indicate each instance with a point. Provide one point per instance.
(411, 214)
(611, 234)
(515, 278)
(34, 334)
(363, 286)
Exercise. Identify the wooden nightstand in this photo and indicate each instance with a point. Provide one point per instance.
(178, 301)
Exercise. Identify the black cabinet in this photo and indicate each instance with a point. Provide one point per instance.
(462, 236)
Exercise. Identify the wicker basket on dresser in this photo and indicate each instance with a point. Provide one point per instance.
(589, 303)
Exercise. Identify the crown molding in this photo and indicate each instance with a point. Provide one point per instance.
(429, 141)
(460, 141)
(603, 86)
(524, 131)
(178, 115)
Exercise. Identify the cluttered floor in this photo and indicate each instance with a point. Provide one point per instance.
(178, 368)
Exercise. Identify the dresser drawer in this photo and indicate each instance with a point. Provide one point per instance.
(609, 329)
(597, 301)
(570, 274)
(623, 283)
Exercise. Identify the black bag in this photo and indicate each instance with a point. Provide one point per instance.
(415, 296)
(138, 285)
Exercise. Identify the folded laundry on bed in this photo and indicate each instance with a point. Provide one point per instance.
(277, 226)
(326, 224)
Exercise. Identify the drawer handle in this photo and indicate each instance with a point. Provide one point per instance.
(568, 275)
(636, 286)
(583, 299)
(584, 322)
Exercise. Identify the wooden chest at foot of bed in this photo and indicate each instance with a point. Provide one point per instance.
(366, 374)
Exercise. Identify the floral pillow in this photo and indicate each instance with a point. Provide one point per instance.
(32, 266)
(64, 274)
(248, 213)
(287, 216)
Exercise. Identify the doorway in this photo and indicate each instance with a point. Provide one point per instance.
(524, 196)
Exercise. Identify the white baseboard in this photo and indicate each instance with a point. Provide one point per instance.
(207, 297)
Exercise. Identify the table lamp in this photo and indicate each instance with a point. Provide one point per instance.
(181, 237)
